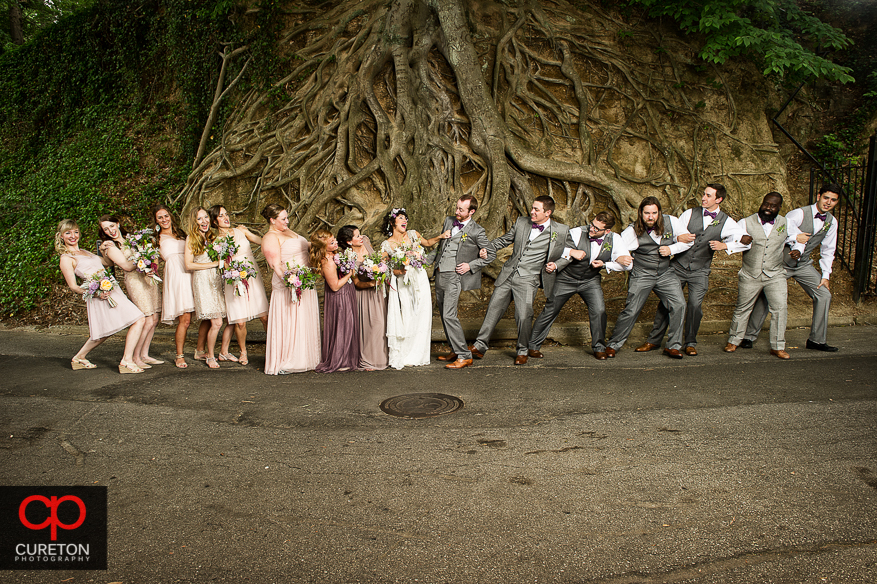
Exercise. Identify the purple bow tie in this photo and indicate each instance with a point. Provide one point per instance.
(457, 224)
(598, 241)
(650, 229)
(539, 227)
(763, 222)
(821, 216)
(707, 213)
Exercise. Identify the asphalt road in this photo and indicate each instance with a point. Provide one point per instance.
(714, 469)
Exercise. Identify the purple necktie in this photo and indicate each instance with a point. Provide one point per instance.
(457, 224)
(598, 241)
(707, 213)
(539, 227)
(820, 216)
(763, 222)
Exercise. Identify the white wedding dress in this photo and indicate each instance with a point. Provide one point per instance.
(409, 315)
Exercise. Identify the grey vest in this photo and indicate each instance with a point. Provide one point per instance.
(812, 243)
(700, 254)
(766, 253)
(448, 263)
(646, 259)
(579, 270)
(534, 256)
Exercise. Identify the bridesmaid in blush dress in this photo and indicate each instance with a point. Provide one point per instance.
(142, 291)
(254, 304)
(103, 320)
(371, 305)
(207, 286)
(293, 338)
(340, 325)
(177, 300)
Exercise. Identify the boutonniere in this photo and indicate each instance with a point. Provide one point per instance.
(464, 236)
(607, 244)
(553, 235)
(826, 226)
(781, 228)
(714, 223)
(668, 235)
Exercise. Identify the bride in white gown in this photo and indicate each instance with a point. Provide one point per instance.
(409, 303)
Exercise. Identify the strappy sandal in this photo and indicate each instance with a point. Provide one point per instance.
(78, 364)
(228, 357)
(152, 361)
(125, 367)
(243, 358)
(211, 362)
(179, 365)
(201, 357)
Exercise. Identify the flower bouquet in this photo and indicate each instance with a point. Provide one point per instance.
(346, 261)
(408, 256)
(98, 283)
(236, 273)
(222, 250)
(299, 278)
(374, 269)
(144, 254)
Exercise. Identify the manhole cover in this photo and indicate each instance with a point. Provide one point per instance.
(421, 405)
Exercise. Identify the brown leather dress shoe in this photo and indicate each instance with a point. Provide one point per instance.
(780, 353)
(447, 357)
(521, 360)
(646, 347)
(475, 352)
(610, 352)
(459, 364)
(600, 355)
(535, 354)
(673, 353)
(730, 348)
(691, 351)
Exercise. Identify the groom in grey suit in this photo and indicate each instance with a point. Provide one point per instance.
(458, 268)
(538, 243)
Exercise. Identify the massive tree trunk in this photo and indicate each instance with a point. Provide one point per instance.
(411, 103)
(15, 23)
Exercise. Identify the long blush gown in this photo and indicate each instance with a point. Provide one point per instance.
(340, 348)
(254, 303)
(409, 315)
(104, 320)
(372, 313)
(293, 338)
(177, 295)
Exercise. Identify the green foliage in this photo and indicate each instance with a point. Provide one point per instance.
(779, 34)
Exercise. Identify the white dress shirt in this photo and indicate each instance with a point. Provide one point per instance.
(631, 241)
(455, 230)
(731, 232)
(534, 233)
(618, 248)
(829, 244)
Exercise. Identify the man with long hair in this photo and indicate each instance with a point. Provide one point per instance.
(653, 239)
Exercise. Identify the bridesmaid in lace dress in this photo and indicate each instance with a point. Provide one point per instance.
(103, 320)
(254, 304)
(177, 300)
(340, 348)
(371, 305)
(293, 339)
(207, 286)
(142, 291)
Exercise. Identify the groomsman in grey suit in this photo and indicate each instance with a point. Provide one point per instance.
(810, 227)
(538, 243)
(652, 239)
(711, 230)
(578, 272)
(762, 271)
(458, 268)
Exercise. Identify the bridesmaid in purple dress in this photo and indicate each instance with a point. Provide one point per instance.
(340, 323)
(104, 320)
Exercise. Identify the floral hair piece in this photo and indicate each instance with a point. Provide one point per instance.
(398, 211)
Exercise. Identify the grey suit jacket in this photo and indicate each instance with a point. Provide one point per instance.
(519, 235)
(473, 239)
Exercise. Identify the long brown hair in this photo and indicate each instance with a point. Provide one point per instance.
(319, 245)
(197, 241)
(639, 227)
(112, 219)
(175, 227)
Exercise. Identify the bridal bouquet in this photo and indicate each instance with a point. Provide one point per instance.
(222, 250)
(374, 269)
(407, 256)
(98, 283)
(299, 278)
(144, 254)
(236, 273)
(346, 261)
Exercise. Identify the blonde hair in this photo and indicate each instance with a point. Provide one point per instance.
(197, 241)
(319, 244)
(64, 225)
